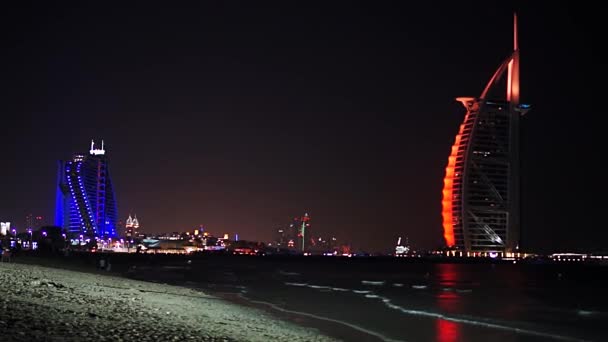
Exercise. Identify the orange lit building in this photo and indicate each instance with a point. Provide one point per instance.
(481, 186)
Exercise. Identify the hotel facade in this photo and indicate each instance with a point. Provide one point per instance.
(481, 193)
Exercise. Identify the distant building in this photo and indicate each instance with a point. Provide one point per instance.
(33, 222)
(402, 249)
(5, 228)
(85, 200)
(481, 187)
(301, 227)
(321, 245)
(281, 240)
(296, 236)
(132, 227)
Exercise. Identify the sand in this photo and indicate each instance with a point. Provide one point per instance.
(47, 304)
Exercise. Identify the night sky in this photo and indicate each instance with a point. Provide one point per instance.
(241, 115)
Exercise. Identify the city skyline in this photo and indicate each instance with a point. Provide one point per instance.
(344, 113)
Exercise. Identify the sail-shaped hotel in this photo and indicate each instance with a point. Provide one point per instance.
(481, 195)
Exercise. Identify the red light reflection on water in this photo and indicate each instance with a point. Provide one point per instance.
(447, 331)
(448, 302)
(447, 274)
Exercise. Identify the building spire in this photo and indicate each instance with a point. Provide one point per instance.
(97, 151)
(515, 47)
(511, 66)
(513, 72)
(514, 31)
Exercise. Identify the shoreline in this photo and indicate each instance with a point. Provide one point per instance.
(275, 286)
(55, 304)
(339, 330)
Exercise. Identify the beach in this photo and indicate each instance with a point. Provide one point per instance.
(48, 304)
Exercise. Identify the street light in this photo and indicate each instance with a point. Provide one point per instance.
(31, 239)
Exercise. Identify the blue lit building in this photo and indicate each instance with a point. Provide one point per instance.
(85, 201)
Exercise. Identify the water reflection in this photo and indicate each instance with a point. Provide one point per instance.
(448, 274)
(447, 331)
(448, 301)
(448, 298)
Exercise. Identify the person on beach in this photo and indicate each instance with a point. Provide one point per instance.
(6, 255)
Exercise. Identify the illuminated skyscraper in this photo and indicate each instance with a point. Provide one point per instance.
(481, 186)
(280, 239)
(132, 227)
(85, 201)
(304, 237)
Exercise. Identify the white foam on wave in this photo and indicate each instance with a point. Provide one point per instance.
(419, 287)
(585, 312)
(398, 285)
(295, 284)
(469, 321)
(372, 282)
(318, 287)
(350, 325)
(288, 273)
(420, 313)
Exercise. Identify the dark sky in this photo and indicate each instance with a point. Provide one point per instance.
(241, 115)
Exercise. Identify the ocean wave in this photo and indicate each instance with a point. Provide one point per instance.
(372, 282)
(318, 287)
(339, 289)
(288, 273)
(475, 322)
(350, 325)
(295, 284)
(361, 291)
(480, 322)
(464, 290)
(586, 312)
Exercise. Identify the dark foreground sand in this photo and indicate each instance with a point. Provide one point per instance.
(47, 304)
